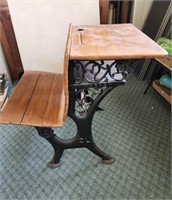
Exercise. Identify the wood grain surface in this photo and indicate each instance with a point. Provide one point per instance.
(108, 42)
(38, 100)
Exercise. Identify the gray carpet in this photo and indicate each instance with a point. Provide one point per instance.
(134, 129)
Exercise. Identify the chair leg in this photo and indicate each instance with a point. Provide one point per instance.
(49, 135)
(55, 162)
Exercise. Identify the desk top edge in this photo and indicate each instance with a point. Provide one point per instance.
(112, 41)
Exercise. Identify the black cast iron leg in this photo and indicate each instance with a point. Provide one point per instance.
(49, 135)
(84, 123)
(105, 158)
(55, 162)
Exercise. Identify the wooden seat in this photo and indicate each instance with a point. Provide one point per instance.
(40, 98)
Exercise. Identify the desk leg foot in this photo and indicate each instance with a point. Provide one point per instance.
(55, 162)
(53, 165)
(105, 158)
(108, 162)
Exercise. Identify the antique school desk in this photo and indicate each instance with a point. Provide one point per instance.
(44, 100)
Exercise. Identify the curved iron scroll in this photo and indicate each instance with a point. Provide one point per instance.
(84, 99)
(102, 71)
(91, 78)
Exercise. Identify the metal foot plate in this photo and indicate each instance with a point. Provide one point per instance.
(53, 165)
(108, 162)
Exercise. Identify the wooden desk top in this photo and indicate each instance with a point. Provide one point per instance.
(108, 42)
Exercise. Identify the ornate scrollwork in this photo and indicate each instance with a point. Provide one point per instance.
(101, 71)
(84, 98)
(95, 77)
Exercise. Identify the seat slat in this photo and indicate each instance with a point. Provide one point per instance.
(46, 107)
(56, 104)
(37, 106)
(16, 106)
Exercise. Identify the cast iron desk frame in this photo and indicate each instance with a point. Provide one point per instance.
(84, 97)
(86, 93)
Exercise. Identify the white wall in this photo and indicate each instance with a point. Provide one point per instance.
(41, 28)
(140, 12)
